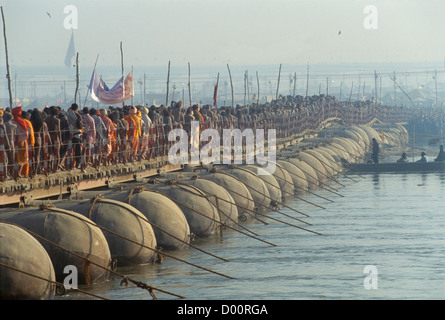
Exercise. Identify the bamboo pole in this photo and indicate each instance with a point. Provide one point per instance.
(8, 75)
(258, 84)
(278, 85)
(327, 86)
(395, 92)
(190, 90)
(168, 85)
(77, 78)
(248, 92)
(122, 65)
(375, 81)
(245, 87)
(145, 104)
(341, 87)
(124, 85)
(380, 90)
(409, 98)
(363, 94)
(231, 84)
(215, 93)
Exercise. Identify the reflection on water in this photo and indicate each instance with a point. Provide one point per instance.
(398, 228)
(376, 180)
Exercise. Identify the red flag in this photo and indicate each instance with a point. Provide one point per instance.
(215, 92)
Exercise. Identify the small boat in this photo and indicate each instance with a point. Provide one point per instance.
(396, 167)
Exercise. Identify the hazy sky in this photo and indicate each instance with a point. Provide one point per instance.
(216, 32)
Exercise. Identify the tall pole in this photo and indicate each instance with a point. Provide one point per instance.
(375, 80)
(245, 86)
(215, 92)
(144, 92)
(258, 84)
(358, 91)
(231, 84)
(124, 85)
(380, 91)
(363, 94)
(190, 90)
(77, 78)
(168, 85)
(341, 87)
(327, 86)
(278, 85)
(122, 65)
(8, 75)
(403, 91)
(295, 83)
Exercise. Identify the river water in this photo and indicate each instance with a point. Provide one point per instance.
(382, 237)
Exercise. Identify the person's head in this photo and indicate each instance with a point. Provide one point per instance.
(26, 115)
(423, 154)
(404, 155)
(93, 112)
(85, 110)
(53, 110)
(74, 107)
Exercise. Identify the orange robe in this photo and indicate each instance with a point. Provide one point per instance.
(132, 134)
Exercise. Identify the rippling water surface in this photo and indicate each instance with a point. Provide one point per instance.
(393, 222)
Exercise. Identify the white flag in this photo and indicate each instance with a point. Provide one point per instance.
(71, 52)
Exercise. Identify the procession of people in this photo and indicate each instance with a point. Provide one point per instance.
(49, 139)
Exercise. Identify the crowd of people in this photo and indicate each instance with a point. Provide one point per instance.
(39, 141)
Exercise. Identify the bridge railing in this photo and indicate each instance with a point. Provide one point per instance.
(47, 157)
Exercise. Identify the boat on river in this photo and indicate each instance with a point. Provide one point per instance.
(396, 167)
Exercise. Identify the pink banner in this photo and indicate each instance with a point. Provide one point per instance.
(120, 92)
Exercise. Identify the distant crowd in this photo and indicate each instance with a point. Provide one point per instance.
(40, 141)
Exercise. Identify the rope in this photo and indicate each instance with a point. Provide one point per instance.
(59, 286)
(230, 227)
(142, 188)
(93, 202)
(154, 225)
(307, 190)
(86, 259)
(302, 213)
(285, 222)
(142, 245)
